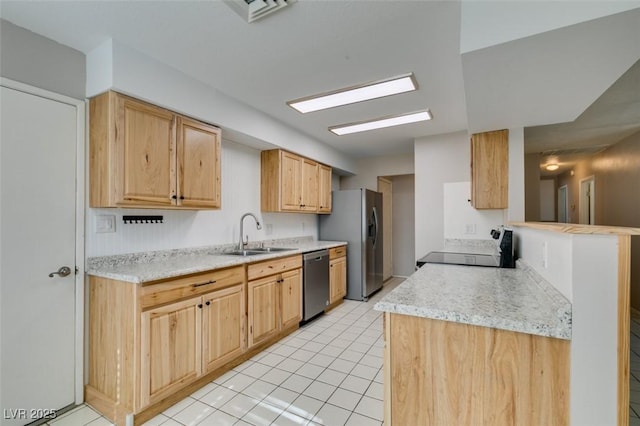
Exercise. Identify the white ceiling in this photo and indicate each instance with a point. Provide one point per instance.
(317, 46)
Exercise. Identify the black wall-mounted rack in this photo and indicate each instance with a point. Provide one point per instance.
(142, 219)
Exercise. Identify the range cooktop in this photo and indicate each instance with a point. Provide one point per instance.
(460, 259)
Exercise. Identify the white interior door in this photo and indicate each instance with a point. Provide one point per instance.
(38, 236)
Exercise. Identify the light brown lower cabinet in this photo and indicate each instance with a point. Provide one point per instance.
(337, 279)
(337, 275)
(151, 343)
(274, 298)
(445, 373)
(182, 341)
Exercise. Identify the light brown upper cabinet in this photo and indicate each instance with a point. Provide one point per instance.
(490, 169)
(143, 156)
(291, 183)
(324, 194)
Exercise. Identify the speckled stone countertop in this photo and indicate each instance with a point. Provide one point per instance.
(508, 299)
(157, 265)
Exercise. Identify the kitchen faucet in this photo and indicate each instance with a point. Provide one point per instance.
(243, 242)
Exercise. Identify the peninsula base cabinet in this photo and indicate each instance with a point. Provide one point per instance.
(446, 373)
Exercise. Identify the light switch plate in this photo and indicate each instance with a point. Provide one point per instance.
(105, 223)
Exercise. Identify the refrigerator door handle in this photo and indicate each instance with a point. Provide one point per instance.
(375, 225)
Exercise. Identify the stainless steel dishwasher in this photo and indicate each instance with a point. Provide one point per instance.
(315, 283)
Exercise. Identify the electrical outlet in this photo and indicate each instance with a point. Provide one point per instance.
(470, 228)
(105, 223)
(268, 229)
(545, 255)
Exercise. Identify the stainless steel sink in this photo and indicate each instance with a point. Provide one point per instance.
(257, 250)
(243, 252)
(272, 249)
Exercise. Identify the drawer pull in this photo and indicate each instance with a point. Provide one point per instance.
(201, 284)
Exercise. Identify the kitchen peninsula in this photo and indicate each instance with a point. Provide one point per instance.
(545, 343)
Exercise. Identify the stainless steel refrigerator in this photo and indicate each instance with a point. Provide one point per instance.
(356, 218)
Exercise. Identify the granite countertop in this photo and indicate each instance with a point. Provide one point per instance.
(152, 266)
(508, 299)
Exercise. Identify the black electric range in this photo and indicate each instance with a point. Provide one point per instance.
(459, 259)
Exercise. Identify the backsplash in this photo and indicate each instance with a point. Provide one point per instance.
(194, 228)
(161, 255)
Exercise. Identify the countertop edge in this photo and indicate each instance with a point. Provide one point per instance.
(476, 320)
(221, 261)
(557, 324)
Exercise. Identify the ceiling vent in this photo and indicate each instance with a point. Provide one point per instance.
(252, 10)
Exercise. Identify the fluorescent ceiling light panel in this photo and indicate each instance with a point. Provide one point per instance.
(379, 123)
(364, 92)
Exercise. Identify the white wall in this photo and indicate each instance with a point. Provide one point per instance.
(461, 220)
(584, 268)
(550, 254)
(141, 76)
(403, 225)
(32, 59)
(188, 228)
(368, 169)
(594, 343)
(439, 159)
(515, 212)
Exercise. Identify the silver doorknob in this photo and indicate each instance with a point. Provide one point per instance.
(63, 272)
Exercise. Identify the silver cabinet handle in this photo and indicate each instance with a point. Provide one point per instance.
(63, 272)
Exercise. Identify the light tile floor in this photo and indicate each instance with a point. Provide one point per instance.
(328, 372)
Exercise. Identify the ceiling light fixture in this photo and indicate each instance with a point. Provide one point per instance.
(350, 95)
(551, 167)
(379, 123)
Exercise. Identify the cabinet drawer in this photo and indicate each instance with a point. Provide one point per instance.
(270, 267)
(175, 289)
(337, 252)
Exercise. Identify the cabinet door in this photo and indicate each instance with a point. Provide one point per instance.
(290, 178)
(490, 170)
(223, 326)
(337, 279)
(309, 185)
(291, 298)
(324, 189)
(198, 159)
(146, 136)
(171, 348)
(263, 309)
